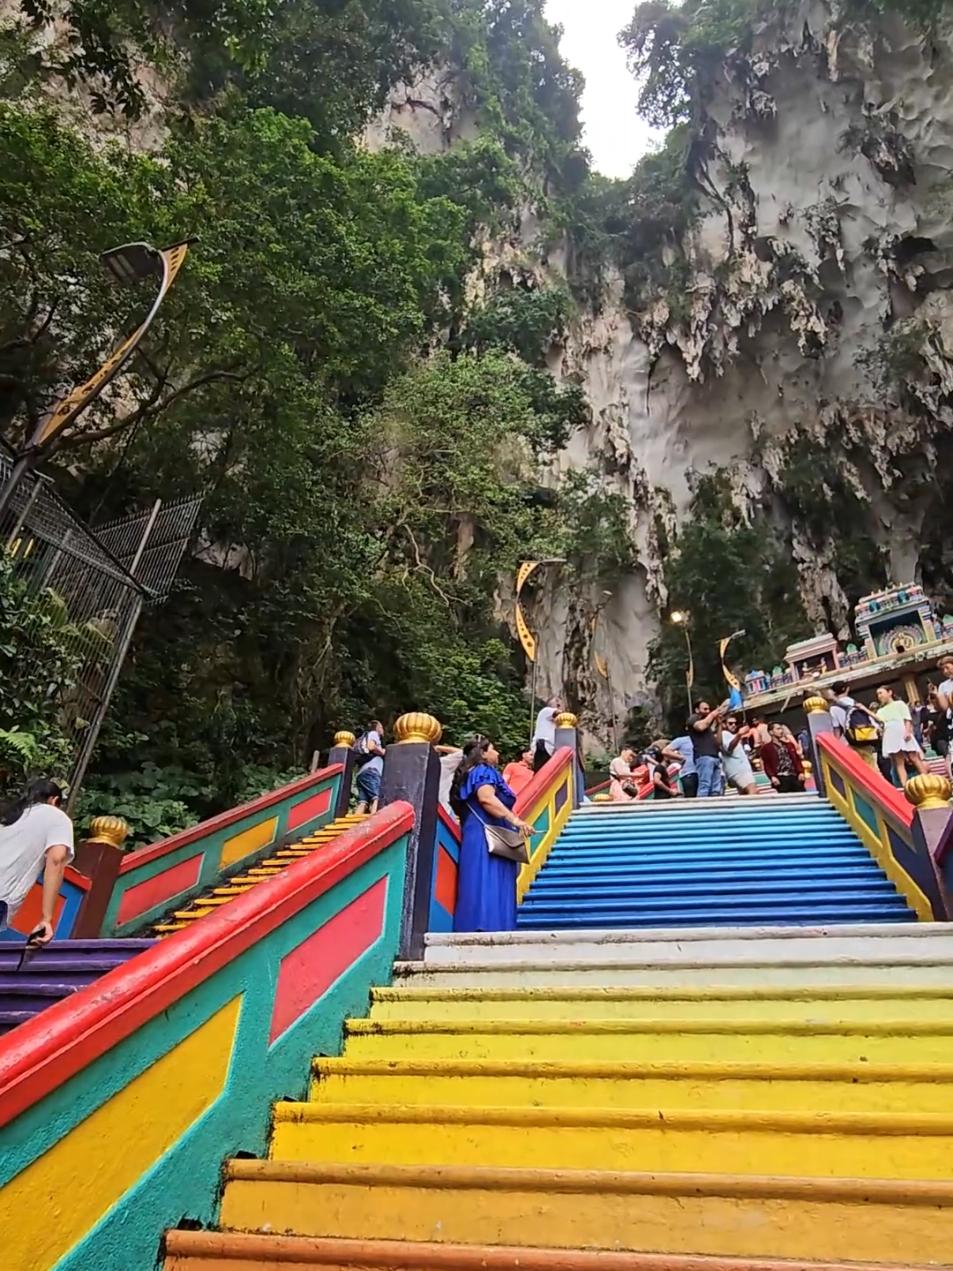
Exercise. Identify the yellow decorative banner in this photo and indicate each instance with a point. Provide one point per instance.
(527, 639)
(730, 677)
(524, 572)
(76, 401)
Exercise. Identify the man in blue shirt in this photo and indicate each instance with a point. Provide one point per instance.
(688, 773)
(370, 767)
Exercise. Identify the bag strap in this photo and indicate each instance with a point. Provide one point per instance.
(510, 828)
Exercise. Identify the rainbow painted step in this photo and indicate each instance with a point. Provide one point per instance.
(50, 974)
(791, 861)
(676, 1126)
(226, 890)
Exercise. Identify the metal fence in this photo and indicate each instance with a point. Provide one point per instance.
(69, 603)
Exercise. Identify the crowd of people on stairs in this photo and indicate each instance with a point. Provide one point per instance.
(716, 750)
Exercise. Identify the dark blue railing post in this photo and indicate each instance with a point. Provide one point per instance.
(412, 773)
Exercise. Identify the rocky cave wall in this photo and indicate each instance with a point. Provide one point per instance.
(825, 236)
(825, 230)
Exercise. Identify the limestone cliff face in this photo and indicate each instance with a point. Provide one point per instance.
(818, 307)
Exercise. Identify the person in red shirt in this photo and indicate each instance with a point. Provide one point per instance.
(519, 773)
(783, 766)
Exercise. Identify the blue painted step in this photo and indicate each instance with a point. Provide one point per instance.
(710, 865)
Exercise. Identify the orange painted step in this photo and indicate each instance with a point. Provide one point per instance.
(230, 1251)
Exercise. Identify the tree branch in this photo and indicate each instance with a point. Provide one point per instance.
(425, 569)
(151, 407)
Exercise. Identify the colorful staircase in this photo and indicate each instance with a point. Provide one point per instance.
(53, 972)
(228, 889)
(621, 1100)
(789, 861)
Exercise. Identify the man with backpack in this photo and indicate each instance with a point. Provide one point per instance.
(855, 724)
(369, 749)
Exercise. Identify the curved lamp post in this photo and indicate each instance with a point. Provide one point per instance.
(602, 663)
(128, 264)
(679, 618)
(527, 639)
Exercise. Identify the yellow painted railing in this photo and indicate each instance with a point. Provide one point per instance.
(882, 820)
(546, 804)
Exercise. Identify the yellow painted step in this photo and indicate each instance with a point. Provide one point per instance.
(751, 1040)
(821, 1087)
(822, 1145)
(856, 1220)
(828, 1005)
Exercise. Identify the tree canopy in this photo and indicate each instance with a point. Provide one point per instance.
(370, 433)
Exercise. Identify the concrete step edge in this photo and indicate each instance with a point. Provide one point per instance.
(604, 935)
(569, 966)
(484, 1178)
(735, 1027)
(715, 1121)
(638, 993)
(401, 1255)
(324, 1067)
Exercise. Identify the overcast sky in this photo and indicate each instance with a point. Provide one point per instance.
(614, 133)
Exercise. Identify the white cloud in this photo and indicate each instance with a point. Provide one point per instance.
(614, 133)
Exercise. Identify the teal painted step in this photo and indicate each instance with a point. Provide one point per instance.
(710, 864)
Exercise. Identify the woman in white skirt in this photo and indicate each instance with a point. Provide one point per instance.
(899, 743)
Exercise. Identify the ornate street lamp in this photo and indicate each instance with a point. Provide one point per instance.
(128, 264)
(679, 618)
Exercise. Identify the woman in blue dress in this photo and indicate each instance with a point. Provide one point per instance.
(486, 885)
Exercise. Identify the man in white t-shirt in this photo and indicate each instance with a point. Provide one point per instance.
(544, 734)
(35, 834)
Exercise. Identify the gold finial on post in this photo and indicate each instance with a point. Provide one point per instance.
(344, 738)
(815, 705)
(108, 829)
(416, 726)
(928, 790)
(566, 719)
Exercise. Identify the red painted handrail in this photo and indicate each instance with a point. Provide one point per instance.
(45, 1052)
(563, 758)
(880, 791)
(73, 876)
(143, 855)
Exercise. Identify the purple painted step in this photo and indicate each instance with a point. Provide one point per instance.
(54, 972)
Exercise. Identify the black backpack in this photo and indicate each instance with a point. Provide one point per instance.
(861, 729)
(360, 751)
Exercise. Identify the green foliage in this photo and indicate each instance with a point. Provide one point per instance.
(639, 225)
(362, 496)
(729, 575)
(677, 51)
(524, 320)
(828, 508)
(327, 60)
(526, 93)
(43, 701)
(674, 52)
(895, 363)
